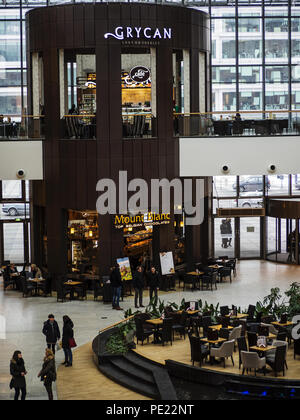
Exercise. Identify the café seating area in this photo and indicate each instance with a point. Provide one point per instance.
(247, 344)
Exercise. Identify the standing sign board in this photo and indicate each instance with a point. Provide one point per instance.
(167, 263)
(125, 269)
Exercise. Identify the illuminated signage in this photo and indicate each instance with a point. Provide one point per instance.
(125, 221)
(140, 74)
(129, 32)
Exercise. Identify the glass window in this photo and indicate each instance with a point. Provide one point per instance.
(296, 184)
(228, 49)
(295, 50)
(272, 236)
(296, 73)
(223, 75)
(249, 74)
(276, 49)
(9, 27)
(277, 74)
(276, 25)
(249, 25)
(276, 11)
(224, 186)
(10, 51)
(13, 239)
(213, 49)
(249, 11)
(229, 101)
(249, 49)
(250, 99)
(11, 189)
(11, 77)
(228, 25)
(10, 101)
(277, 184)
(251, 200)
(251, 186)
(296, 100)
(11, 211)
(295, 24)
(276, 97)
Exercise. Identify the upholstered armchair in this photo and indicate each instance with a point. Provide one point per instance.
(225, 351)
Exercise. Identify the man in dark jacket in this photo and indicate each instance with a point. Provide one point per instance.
(51, 331)
(116, 284)
(138, 285)
(153, 283)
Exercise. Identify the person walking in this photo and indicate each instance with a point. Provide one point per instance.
(48, 372)
(116, 284)
(68, 340)
(153, 283)
(52, 332)
(138, 285)
(18, 372)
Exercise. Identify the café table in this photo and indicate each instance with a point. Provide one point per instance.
(238, 316)
(262, 350)
(72, 284)
(190, 312)
(157, 323)
(36, 283)
(196, 274)
(285, 324)
(215, 266)
(218, 327)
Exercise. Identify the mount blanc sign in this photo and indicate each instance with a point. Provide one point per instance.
(128, 32)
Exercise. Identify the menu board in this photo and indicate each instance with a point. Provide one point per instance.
(167, 263)
(125, 269)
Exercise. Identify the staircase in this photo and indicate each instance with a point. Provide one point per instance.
(140, 375)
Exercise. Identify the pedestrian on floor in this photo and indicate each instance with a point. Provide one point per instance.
(51, 331)
(18, 372)
(68, 341)
(48, 372)
(116, 284)
(138, 285)
(153, 283)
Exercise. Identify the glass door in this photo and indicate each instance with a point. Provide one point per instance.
(224, 237)
(13, 242)
(250, 238)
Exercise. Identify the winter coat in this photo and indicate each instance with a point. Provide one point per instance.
(16, 368)
(138, 280)
(153, 280)
(115, 278)
(48, 372)
(51, 332)
(67, 334)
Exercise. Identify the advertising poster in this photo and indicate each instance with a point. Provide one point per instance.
(125, 269)
(166, 263)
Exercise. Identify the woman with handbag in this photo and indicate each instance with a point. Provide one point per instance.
(68, 341)
(18, 372)
(48, 372)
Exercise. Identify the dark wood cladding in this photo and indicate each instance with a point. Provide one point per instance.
(73, 167)
(84, 25)
(285, 209)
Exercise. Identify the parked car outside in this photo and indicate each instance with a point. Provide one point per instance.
(253, 183)
(15, 209)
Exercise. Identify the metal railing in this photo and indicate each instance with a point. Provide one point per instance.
(21, 127)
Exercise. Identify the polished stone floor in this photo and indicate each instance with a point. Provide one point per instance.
(24, 317)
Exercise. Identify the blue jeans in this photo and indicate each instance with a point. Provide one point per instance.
(116, 296)
(68, 355)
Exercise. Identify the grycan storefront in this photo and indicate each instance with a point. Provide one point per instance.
(109, 79)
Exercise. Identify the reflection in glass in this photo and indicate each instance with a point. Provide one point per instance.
(279, 184)
(277, 48)
(11, 189)
(277, 74)
(276, 25)
(13, 239)
(249, 25)
(224, 186)
(223, 75)
(251, 100)
(228, 49)
(251, 185)
(229, 101)
(276, 99)
(249, 49)
(249, 74)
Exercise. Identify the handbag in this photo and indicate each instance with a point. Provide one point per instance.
(72, 343)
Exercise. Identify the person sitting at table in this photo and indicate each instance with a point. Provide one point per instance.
(13, 269)
(36, 272)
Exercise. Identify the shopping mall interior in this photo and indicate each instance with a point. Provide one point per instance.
(199, 91)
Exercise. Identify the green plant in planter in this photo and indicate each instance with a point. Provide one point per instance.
(272, 304)
(293, 293)
(118, 343)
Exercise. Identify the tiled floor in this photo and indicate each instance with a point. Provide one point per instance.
(24, 317)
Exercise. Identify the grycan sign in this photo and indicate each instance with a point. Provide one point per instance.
(128, 32)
